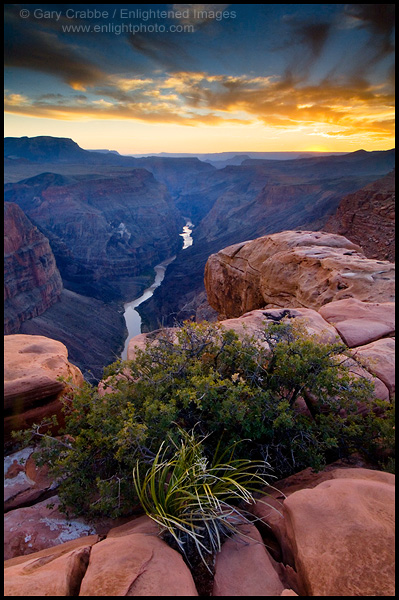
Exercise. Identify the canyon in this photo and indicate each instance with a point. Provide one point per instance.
(109, 219)
(254, 199)
(82, 239)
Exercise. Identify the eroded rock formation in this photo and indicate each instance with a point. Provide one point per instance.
(32, 366)
(101, 229)
(294, 268)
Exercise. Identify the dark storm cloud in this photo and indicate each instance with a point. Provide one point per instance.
(303, 45)
(379, 21)
(314, 36)
(165, 52)
(311, 36)
(33, 48)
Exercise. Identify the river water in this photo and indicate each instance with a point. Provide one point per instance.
(132, 317)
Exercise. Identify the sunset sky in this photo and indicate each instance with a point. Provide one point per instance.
(235, 77)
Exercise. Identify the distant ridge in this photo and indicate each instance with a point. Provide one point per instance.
(224, 156)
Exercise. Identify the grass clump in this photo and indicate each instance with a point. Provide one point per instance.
(196, 502)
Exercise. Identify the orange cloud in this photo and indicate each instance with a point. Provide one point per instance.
(332, 108)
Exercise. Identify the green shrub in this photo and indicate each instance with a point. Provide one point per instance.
(294, 400)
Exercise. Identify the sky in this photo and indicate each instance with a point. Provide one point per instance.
(141, 78)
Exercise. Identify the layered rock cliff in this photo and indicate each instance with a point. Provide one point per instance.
(367, 217)
(32, 282)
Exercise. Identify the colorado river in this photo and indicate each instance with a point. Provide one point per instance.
(132, 317)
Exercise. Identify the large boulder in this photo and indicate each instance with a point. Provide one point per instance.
(379, 359)
(294, 269)
(342, 537)
(32, 390)
(136, 565)
(269, 509)
(52, 572)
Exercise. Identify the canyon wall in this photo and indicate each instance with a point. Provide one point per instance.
(367, 217)
(32, 282)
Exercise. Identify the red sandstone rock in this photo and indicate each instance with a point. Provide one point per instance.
(269, 509)
(292, 269)
(360, 369)
(252, 322)
(142, 524)
(33, 528)
(342, 535)
(136, 564)
(139, 342)
(243, 567)
(32, 365)
(359, 322)
(52, 572)
(379, 358)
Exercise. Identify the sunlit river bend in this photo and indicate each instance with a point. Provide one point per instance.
(132, 317)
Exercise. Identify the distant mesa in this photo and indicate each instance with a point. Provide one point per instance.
(106, 151)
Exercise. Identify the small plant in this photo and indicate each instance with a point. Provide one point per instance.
(197, 503)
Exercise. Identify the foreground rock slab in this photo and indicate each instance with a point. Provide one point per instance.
(254, 321)
(33, 528)
(360, 323)
(136, 565)
(335, 531)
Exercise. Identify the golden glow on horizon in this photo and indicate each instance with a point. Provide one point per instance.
(140, 138)
(317, 148)
(190, 110)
